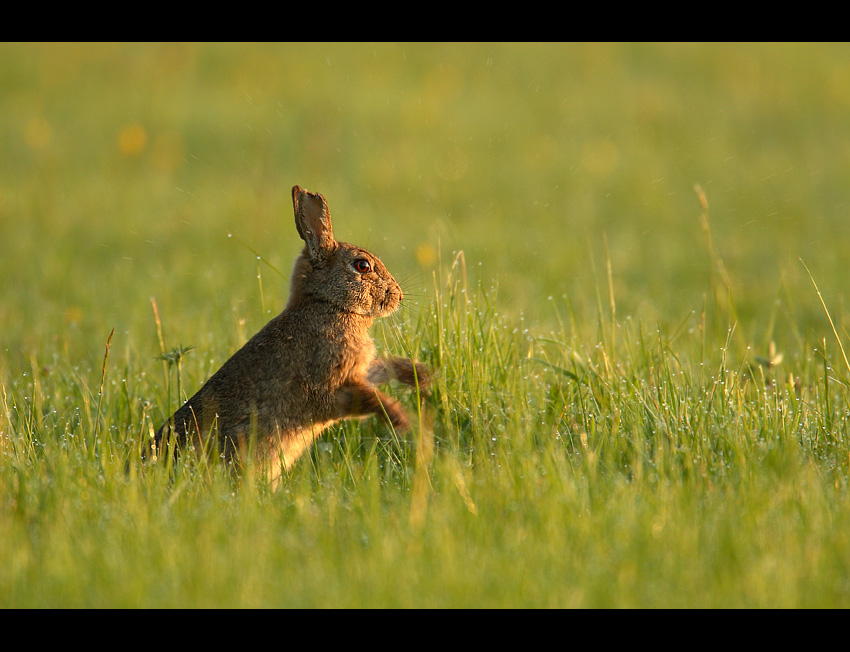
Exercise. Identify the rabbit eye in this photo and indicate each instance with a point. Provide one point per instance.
(362, 265)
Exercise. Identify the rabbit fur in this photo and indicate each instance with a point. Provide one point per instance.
(310, 366)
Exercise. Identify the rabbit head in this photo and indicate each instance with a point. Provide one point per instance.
(346, 277)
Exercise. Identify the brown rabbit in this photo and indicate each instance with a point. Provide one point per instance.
(310, 366)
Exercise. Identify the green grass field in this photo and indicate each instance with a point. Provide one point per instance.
(627, 263)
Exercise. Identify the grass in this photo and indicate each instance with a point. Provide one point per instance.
(624, 261)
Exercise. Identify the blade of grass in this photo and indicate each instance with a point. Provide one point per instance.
(828, 316)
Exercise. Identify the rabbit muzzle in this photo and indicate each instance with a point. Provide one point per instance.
(390, 302)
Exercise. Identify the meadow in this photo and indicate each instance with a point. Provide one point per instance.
(626, 263)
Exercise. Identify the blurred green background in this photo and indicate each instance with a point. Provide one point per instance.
(123, 167)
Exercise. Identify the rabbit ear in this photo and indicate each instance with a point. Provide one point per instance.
(313, 221)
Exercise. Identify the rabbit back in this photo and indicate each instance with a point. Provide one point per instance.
(279, 383)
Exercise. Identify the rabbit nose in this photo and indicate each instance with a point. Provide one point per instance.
(393, 296)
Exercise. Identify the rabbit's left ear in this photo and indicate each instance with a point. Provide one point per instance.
(313, 221)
